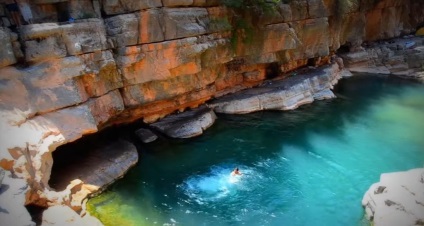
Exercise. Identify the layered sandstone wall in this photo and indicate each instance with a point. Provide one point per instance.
(125, 60)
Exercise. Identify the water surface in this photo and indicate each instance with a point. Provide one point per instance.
(309, 166)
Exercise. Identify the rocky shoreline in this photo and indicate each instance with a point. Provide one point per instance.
(117, 62)
(397, 199)
(315, 83)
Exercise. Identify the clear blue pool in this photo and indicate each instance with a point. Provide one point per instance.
(310, 166)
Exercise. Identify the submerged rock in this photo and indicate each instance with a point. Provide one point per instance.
(284, 94)
(187, 124)
(145, 135)
(398, 199)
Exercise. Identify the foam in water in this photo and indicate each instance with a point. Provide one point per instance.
(305, 167)
(218, 183)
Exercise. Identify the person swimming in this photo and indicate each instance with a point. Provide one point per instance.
(235, 172)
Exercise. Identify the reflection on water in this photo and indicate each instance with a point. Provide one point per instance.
(304, 167)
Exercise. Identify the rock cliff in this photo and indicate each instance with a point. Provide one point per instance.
(84, 65)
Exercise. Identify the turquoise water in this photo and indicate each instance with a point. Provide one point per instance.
(310, 166)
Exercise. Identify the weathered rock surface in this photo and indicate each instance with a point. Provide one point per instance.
(402, 57)
(74, 181)
(7, 57)
(148, 59)
(105, 164)
(397, 199)
(187, 124)
(146, 135)
(51, 40)
(12, 201)
(284, 94)
(63, 215)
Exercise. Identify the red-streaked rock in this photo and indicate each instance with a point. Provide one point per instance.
(106, 107)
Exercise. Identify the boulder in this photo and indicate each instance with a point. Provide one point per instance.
(146, 135)
(397, 199)
(187, 124)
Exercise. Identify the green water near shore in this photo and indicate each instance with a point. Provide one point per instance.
(309, 166)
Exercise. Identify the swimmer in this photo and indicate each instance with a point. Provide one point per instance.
(235, 172)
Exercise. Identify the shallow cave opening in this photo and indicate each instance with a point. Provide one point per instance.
(344, 49)
(273, 70)
(78, 159)
(311, 62)
(62, 9)
(36, 213)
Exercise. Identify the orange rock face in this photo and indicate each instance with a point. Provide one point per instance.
(148, 59)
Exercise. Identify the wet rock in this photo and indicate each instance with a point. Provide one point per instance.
(187, 124)
(285, 94)
(397, 199)
(146, 135)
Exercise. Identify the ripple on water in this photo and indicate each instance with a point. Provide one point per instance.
(218, 184)
(310, 166)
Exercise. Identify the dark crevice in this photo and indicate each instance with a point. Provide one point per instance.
(343, 49)
(36, 213)
(68, 158)
(273, 70)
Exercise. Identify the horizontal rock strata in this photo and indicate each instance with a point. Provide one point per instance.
(403, 57)
(93, 173)
(187, 124)
(84, 65)
(284, 94)
(397, 199)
